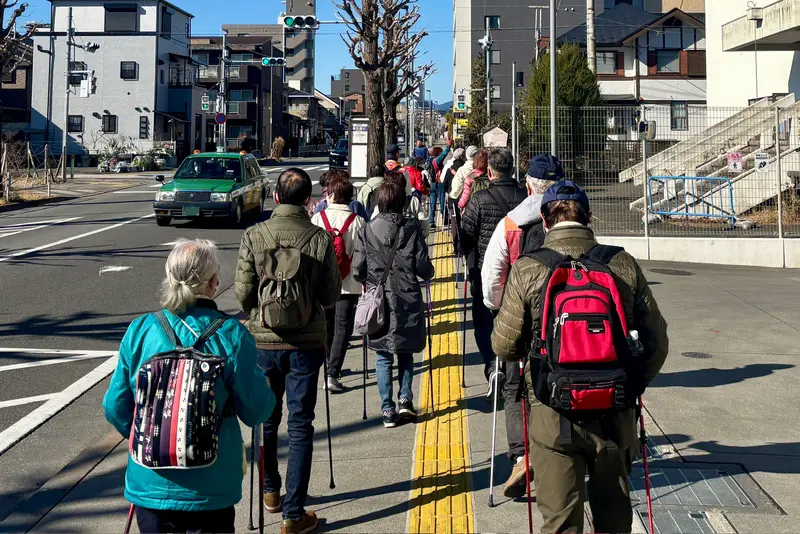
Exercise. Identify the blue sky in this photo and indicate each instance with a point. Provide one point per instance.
(331, 53)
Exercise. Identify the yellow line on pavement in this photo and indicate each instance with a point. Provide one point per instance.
(441, 498)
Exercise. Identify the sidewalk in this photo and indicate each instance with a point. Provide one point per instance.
(721, 422)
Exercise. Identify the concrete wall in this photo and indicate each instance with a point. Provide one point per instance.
(89, 15)
(663, 6)
(732, 75)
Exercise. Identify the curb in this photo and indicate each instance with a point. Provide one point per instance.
(58, 199)
(27, 514)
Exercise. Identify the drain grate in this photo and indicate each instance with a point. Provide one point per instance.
(672, 272)
(671, 521)
(694, 487)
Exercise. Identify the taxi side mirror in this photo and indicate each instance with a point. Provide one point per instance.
(159, 177)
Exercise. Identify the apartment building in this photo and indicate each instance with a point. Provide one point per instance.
(144, 84)
(15, 92)
(255, 92)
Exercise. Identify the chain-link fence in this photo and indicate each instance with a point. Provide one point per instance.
(26, 169)
(708, 171)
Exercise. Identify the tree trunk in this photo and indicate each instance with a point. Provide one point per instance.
(377, 145)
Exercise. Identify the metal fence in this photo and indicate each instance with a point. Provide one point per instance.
(708, 171)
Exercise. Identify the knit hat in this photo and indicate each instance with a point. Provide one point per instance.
(472, 151)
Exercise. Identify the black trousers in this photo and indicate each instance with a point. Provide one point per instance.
(171, 521)
(515, 434)
(341, 321)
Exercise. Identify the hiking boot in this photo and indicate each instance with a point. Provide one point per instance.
(390, 419)
(307, 523)
(273, 503)
(514, 487)
(407, 409)
(333, 385)
(501, 381)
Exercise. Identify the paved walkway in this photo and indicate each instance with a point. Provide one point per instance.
(721, 422)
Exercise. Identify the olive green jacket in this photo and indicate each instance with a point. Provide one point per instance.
(287, 224)
(519, 322)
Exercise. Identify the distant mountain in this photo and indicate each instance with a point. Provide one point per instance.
(446, 106)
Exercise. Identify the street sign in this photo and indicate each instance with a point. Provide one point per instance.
(220, 118)
(84, 91)
(735, 163)
(495, 138)
(462, 123)
(762, 161)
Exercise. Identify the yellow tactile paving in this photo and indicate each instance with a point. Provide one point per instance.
(441, 495)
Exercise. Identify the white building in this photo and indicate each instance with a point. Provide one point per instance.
(144, 86)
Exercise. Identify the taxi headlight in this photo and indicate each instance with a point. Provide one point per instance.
(165, 196)
(220, 197)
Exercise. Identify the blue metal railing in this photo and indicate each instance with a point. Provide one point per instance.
(673, 206)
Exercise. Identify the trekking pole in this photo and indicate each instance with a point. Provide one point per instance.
(464, 333)
(328, 420)
(250, 525)
(524, 400)
(364, 374)
(259, 447)
(643, 441)
(430, 347)
(130, 520)
(494, 431)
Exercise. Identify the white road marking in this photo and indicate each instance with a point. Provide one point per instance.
(67, 240)
(128, 192)
(27, 227)
(26, 400)
(170, 244)
(16, 432)
(113, 269)
(154, 185)
(82, 355)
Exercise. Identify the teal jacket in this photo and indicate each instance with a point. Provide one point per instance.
(220, 484)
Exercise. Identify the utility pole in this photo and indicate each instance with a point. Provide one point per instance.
(553, 110)
(223, 92)
(590, 39)
(66, 98)
(514, 145)
(488, 75)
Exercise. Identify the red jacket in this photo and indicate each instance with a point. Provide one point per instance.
(415, 179)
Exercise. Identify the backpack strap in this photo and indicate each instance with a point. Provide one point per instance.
(208, 332)
(168, 330)
(500, 200)
(325, 221)
(269, 239)
(548, 258)
(603, 254)
(347, 223)
(305, 237)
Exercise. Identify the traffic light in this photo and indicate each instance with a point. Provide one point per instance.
(299, 22)
(273, 62)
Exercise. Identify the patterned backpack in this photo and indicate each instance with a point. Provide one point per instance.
(175, 422)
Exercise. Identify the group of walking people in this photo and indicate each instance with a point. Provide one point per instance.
(188, 371)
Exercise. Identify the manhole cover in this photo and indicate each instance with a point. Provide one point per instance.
(696, 355)
(670, 521)
(672, 272)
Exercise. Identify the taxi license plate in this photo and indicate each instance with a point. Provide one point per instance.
(191, 211)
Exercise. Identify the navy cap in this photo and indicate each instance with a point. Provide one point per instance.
(546, 167)
(393, 149)
(566, 190)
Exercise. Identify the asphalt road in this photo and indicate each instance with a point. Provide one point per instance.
(72, 277)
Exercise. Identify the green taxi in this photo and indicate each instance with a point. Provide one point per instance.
(213, 186)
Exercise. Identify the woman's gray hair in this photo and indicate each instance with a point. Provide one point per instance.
(191, 265)
(539, 185)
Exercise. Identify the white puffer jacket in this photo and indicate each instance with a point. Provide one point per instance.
(337, 216)
(457, 186)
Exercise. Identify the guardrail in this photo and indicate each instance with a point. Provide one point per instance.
(687, 201)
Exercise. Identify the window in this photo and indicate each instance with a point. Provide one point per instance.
(109, 123)
(166, 22)
(10, 77)
(75, 79)
(242, 95)
(121, 18)
(606, 62)
(75, 123)
(495, 57)
(233, 108)
(679, 116)
(493, 21)
(668, 61)
(346, 87)
(347, 75)
(696, 63)
(240, 131)
(144, 127)
(363, 87)
(161, 76)
(239, 57)
(202, 58)
(495, 92)
(129, 70)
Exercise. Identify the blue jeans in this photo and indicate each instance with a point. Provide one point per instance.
(405, 375)
(295, 373)
(437, 197)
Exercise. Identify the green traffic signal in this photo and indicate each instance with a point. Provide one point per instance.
(289, 21)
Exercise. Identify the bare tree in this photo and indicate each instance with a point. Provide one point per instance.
(383, 47)
(11, 39)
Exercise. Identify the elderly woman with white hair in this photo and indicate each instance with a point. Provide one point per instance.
(183, 375)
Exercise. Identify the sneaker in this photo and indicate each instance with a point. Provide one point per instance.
(333, 385)
(307, 523)
(390, 419)
(407, 409)
(514, 487)
(501, 381)
(273, 503)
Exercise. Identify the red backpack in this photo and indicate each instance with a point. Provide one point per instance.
(585, 363)
(338, 242)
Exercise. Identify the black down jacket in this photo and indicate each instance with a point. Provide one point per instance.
(405, 330)
(484, 213)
